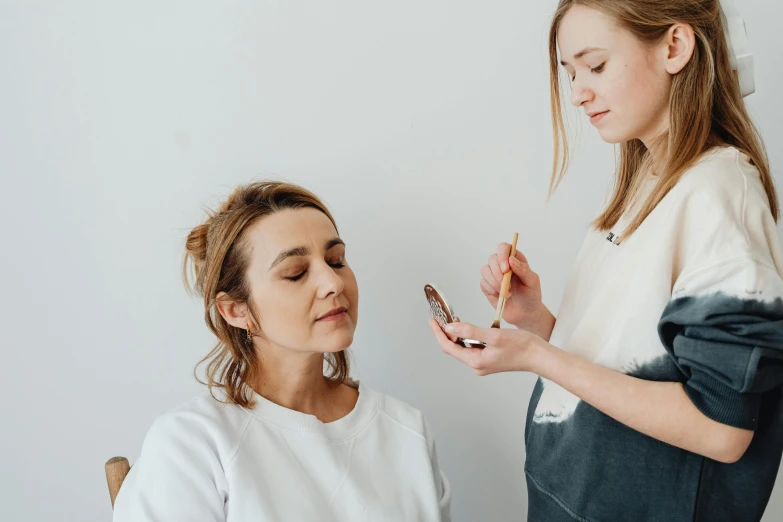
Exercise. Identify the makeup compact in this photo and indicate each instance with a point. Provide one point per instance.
(441, 311)
(444, 314)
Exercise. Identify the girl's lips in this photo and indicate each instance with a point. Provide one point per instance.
(598, 116)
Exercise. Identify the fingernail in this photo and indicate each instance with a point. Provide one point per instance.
(451, 328)
(504, 266)
(514, 260)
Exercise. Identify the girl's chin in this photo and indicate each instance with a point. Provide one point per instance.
(612, 138)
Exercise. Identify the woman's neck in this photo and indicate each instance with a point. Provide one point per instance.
(296, 381)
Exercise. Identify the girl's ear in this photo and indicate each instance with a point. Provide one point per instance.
(680, 41)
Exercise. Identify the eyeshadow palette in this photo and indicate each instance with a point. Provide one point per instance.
(441, 311)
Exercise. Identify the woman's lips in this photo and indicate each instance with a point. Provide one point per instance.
(335, 317)
(338, 314)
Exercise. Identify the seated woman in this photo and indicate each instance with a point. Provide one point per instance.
(284, 434)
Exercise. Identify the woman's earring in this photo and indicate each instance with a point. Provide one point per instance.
(249, 338)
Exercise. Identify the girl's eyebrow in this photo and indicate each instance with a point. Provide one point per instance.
(582, 53)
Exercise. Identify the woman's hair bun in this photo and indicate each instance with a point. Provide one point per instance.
(196, 243)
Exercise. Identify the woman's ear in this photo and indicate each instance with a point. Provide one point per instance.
(680, 42)
(234, 313)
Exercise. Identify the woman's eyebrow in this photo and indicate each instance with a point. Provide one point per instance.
(303, 251)
(300, 251)
(333, 243)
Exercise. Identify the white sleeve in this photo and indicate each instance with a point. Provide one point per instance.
(441, 482)
(178, 477)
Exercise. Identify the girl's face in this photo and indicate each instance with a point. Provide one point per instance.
(622, 84)
(302, 288)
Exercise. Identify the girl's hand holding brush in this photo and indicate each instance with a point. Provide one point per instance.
(523, 307)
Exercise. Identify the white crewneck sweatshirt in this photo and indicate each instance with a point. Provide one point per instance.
(207, 461)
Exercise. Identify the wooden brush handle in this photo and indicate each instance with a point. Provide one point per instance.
(507, 276)
(504, 286)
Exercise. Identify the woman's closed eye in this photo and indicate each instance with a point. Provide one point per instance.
(334, 264)
(297, 277)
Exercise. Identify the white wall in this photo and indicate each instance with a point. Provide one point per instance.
(423, 124)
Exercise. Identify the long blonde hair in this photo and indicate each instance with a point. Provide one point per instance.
(706, 108)
(216, 260)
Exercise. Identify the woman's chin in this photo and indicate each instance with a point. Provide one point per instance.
(338, 341)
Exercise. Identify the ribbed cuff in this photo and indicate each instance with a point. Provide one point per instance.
(723, 404)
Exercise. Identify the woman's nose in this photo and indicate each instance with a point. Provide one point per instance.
(329, 282)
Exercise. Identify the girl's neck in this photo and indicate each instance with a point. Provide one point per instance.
(657, 150)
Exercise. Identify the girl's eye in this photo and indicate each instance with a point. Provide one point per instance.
(340, 264)
(598, 69)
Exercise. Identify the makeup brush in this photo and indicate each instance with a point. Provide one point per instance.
(505, 286)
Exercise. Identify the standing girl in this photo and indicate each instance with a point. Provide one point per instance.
(659, 397)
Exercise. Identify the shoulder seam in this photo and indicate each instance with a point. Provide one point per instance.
(235, 451)
(403, 426)
(744, 196)
(682, 280)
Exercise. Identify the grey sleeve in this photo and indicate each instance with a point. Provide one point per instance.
(727, 340)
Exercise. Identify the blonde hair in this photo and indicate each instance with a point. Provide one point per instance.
(217, 252)
(706, 108)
